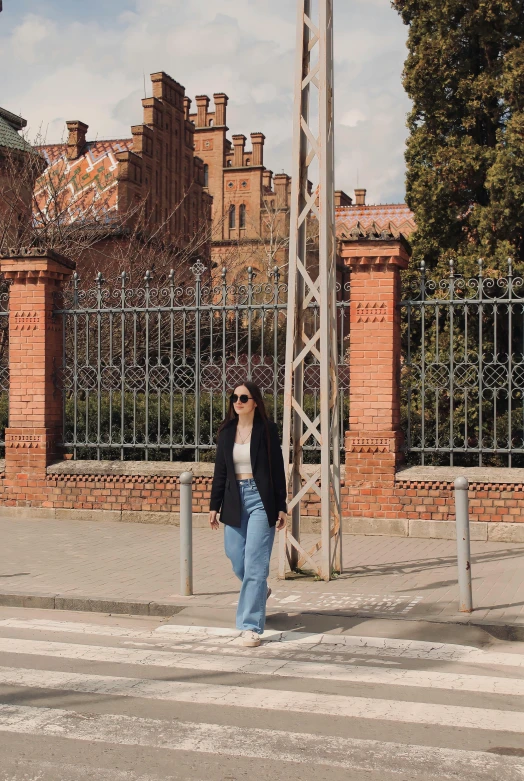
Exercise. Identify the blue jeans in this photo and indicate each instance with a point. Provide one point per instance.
(249, 550)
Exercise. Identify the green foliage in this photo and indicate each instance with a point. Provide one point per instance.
(168, 425)
(465, 153)
(462, 373)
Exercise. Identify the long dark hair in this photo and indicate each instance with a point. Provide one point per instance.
(260, 412)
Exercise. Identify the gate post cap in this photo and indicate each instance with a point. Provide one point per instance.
(461, 484)
(186, 478)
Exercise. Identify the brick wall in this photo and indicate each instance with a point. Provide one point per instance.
(85, 486)
(433, 500)
(95, 486)
(35, 474)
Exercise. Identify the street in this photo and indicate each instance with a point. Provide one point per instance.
(92, 696)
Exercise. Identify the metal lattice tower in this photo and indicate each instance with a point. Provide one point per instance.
(313, 342)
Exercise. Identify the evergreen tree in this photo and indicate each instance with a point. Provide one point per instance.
(465, 153)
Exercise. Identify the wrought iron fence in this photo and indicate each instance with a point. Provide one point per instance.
(146, 370)
(462, 370)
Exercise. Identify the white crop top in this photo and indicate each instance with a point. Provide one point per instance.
(242, 459)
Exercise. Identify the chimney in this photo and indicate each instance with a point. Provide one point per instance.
(202, 102)
(220, 108)
(342, 199)
(187, 107)
(360, 197)
(76, 139)
(281, 190)
(267, 179)
(257, 141)
(239, 143)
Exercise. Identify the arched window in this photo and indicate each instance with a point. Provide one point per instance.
(206, 175)
(248, 161)
(229, 163)
(242, 215)
(232, 217)
(211, 123)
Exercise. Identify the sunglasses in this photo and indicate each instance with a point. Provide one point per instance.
(242, 398)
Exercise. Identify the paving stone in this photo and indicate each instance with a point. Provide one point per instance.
(134, 567)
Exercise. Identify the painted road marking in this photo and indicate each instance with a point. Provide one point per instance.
(35, 770)
(426, 679)
(375, 646)
(260, 744)
(374, 709)
(371, 603)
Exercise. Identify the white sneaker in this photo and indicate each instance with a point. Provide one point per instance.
(250, 638)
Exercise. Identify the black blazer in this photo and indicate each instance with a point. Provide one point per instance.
(271, 483)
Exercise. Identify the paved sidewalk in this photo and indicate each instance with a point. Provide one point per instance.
(125, 567)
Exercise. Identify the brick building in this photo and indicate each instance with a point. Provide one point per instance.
(19, 167)
(359, 218)
(203, 193)
(183, 172)
(154, 177)
(250, 204)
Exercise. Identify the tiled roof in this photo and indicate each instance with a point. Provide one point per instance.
(93, 175)
(95, 150)
(394, 217)
(10, 124)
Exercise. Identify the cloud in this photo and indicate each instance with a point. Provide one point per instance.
(92, 68)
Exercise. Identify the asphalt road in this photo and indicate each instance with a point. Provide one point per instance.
(88, 696)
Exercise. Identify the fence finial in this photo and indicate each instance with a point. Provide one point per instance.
(198, 268)
(423, 267)
(510, 267)
(99, 279)
(224, 274)
(451, 267)
(481, 267)
(147, 278)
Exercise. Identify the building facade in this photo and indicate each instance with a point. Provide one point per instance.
(20, 165)
(184, 180)
(152, 179)
(250, 204)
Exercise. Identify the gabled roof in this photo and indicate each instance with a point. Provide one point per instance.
(394, 217)
(10, 125)
(88, 181)
(94, 150)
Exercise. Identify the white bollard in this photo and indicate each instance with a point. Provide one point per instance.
(463, 545)
(186, 534)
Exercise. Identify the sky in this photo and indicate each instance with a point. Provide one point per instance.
(71, 59)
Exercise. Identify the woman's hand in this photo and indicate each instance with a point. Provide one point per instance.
(282, 520)
(213, 520)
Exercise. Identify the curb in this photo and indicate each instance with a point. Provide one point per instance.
(91, 604)
(168, 608)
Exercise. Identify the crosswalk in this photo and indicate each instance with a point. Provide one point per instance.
(191, 703)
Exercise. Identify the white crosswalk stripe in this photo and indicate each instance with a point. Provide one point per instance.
(22, 770)
(273, 667)
(425, 692)
(376, 646)
(362, 755)
(298, 702)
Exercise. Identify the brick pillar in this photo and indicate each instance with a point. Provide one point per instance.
(35, 352)
(374, 439)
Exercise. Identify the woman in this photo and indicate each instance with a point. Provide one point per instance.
(249, 492)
